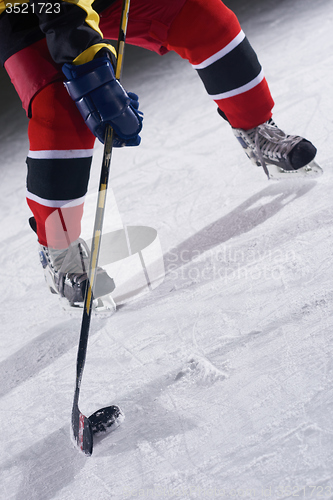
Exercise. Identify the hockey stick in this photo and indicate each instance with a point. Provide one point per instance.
(84, 428)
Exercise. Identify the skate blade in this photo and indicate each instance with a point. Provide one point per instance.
(309, 171)
(103, 305)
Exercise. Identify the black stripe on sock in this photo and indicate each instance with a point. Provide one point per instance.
(235, 69)
(58, 179)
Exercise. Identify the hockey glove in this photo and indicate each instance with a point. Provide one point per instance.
(102, 101)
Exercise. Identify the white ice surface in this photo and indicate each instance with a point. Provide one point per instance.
(225, 371)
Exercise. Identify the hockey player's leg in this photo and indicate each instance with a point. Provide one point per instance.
(59, 159)
(209, 36)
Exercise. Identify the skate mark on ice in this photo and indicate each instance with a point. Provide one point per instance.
(46, 467)
(201, 370)
(242, 219)
(40, 353)
(198, 366)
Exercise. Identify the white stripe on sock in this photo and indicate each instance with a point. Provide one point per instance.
(58, 154)
(253, 83)
(55, 203)
(221, 53)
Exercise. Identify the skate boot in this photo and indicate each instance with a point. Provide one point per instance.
(279, 154)
(66, 273)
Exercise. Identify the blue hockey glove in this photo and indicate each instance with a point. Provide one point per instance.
(102, 100)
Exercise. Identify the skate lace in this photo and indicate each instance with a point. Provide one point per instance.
(72, 262)
(76, 262)
(271, 143)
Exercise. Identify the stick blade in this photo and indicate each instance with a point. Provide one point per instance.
(105, 420)
(82, 432)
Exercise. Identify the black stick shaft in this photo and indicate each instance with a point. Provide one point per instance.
(100, 210)
(95, 247)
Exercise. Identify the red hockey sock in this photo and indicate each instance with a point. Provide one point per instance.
(209, 36)
(61, 148)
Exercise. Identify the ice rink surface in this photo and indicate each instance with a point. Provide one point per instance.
(225, 371)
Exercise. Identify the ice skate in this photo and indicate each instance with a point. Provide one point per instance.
(66, 273)
(279, 154)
